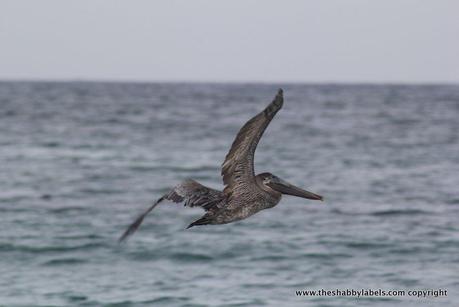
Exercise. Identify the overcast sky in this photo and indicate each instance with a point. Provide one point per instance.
(237, 40)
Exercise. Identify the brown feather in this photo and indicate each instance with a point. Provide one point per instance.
(192, 193)
(238, 168)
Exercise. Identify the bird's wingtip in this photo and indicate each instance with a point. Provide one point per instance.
(279, 99)
(279, 95)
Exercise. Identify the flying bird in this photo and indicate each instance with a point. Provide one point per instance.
(244, 193)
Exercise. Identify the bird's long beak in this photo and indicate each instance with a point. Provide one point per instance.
(289, 189)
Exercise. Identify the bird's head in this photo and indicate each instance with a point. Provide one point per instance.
(273, 182)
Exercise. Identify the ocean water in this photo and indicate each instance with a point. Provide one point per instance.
(79, 161)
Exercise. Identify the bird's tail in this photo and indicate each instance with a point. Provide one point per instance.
(205, 220)
(135, 225)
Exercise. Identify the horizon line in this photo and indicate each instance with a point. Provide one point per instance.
(235, 82)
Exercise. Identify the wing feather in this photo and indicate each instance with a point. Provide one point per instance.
(238, 168)
(191, 192)
(194, 194)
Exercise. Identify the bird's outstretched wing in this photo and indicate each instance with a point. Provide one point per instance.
(237, 169)
(194, 194)
(190, 192)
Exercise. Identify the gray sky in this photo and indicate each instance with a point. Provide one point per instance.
(237, 40)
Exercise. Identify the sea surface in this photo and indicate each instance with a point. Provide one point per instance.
(79, 161)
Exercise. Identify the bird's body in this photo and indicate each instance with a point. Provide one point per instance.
(245, 193)
(220, 209)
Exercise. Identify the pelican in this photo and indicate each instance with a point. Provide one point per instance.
(244, 193)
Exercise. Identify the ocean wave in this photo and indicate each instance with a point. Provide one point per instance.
(6, 247)
(64, 261)
(393, 212)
